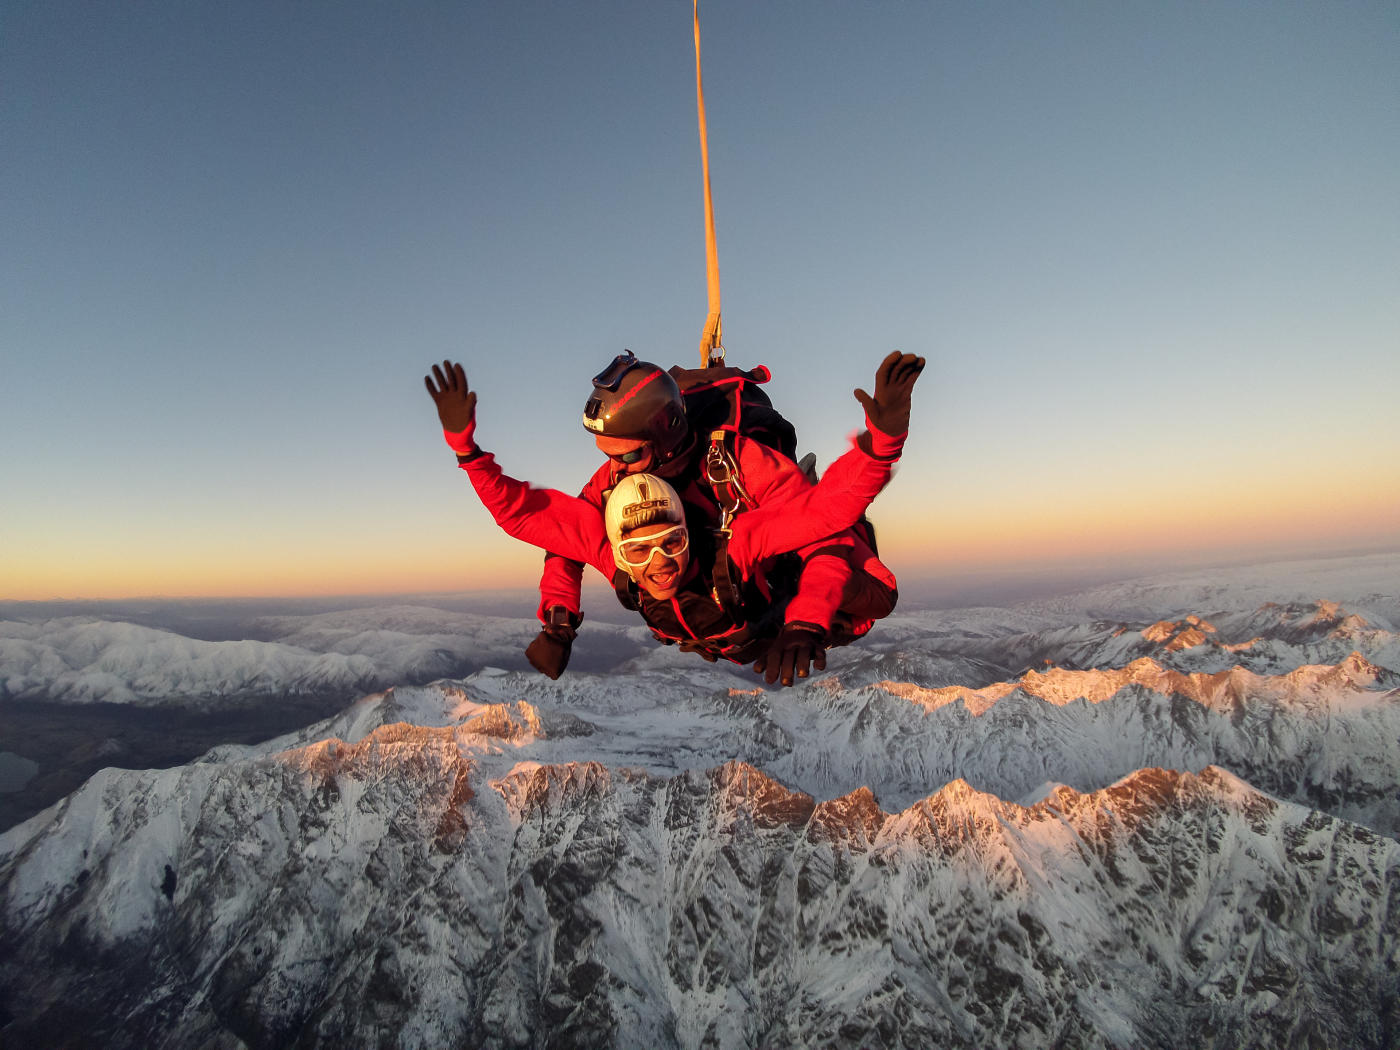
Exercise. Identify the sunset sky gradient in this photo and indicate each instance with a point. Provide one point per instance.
(1151, 251)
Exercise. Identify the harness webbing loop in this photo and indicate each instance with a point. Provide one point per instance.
(711, 339)
(722, 472)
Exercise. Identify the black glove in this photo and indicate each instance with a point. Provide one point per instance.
(549, 652)
(888, 410)
(697, 645)
(456, 406)
(798, 646)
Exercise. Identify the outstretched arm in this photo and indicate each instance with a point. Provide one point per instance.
(543, 517)
(845, 490)
(848, 486)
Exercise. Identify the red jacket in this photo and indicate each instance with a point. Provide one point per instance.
(792, 514)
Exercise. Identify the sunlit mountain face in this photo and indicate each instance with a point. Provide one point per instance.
(1160, 814)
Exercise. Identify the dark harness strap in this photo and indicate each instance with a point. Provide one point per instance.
(626, 590)
(722, 472)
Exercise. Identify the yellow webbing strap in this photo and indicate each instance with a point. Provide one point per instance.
(711, 339)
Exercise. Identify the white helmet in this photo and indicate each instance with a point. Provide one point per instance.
(638, 500)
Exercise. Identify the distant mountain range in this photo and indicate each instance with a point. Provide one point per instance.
(1115, 819)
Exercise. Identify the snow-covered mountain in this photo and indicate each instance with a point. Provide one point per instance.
(84, 660)
(1081, 823)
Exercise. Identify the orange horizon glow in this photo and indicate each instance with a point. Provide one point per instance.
(298, 573)
(1217, 516)
(1061, 533)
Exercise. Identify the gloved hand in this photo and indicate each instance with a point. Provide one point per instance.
(798, 646)
(887, 413)
(695, 645)
(549, 652)
(456, 406)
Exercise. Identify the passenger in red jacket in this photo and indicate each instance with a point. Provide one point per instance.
(725, 599)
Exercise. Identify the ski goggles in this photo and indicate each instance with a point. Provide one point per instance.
(631, 456)
(672, 543)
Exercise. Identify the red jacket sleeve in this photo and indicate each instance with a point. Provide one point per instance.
(821, 585)
(775, 483)
(816, 522)
(561, 580)
(769, 477)
(561, 583)
(547, 518)
(812, 513)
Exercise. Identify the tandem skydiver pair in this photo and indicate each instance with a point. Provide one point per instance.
(700, 518)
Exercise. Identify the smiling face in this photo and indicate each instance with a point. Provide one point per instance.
(665, 546)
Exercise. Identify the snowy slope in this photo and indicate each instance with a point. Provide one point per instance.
(1321, 735)
(1368, 583)
(78, 660)
(411, 890)
(1086, 823)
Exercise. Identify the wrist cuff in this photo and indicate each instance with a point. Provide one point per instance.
(561, 616)
(462, 442)
(882, 445)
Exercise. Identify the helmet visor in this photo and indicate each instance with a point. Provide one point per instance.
(672, 543)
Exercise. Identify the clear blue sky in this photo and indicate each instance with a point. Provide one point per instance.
(1152, 252)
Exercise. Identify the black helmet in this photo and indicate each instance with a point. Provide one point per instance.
(637, 399)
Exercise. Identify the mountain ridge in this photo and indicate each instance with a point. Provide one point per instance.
(572, 849)
(1195, 840)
